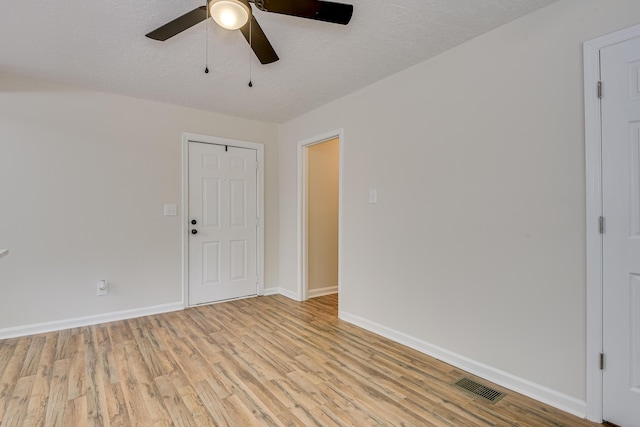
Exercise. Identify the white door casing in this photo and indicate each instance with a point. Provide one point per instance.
(223, 194)
(620, 75)
(302, 288)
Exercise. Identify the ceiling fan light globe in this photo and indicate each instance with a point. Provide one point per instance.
(230, 14)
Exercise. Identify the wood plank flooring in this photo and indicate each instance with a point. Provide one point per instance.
(266, 361)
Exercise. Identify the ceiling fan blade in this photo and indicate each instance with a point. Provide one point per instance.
(337, 13)
(259, 42)
(179, 24)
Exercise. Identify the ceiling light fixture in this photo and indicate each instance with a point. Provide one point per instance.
(230, 14)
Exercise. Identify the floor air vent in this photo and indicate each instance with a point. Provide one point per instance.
(478, 389)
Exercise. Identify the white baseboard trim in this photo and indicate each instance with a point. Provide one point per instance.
(289, 294)
(313, 293)
(294, 296)
(58, 325)
(270, 291)
(281, 291)
(520, 385)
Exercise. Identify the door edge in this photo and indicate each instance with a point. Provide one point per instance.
(594, 209)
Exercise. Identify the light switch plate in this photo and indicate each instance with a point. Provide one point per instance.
(170, 210)
(373, 196)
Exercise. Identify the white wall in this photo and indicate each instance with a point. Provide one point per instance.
(477, 243)
(83, 180)
(323, 187)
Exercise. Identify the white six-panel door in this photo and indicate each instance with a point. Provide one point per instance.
(620, 74)
(222, 219)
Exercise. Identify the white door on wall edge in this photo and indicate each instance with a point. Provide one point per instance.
(222, 258)
(620, 75)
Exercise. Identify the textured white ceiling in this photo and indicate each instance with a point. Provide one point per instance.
(101, 45)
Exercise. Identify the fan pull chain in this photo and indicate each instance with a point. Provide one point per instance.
(250, 49)
(206, 54)
(206, 43)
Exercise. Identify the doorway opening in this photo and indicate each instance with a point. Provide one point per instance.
(319, 214)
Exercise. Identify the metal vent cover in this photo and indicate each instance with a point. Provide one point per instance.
(481, 390)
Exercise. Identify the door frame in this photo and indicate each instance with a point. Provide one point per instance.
(594, 209)
(205, 139)
(303, 238)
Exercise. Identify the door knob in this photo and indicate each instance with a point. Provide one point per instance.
(194, 231)
(194, 222)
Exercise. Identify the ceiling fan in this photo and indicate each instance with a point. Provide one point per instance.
(236, 14)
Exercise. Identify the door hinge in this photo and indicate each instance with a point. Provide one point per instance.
(601, 225)
(600, 90)
(601, 361)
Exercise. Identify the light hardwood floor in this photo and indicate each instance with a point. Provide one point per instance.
(266, 361)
